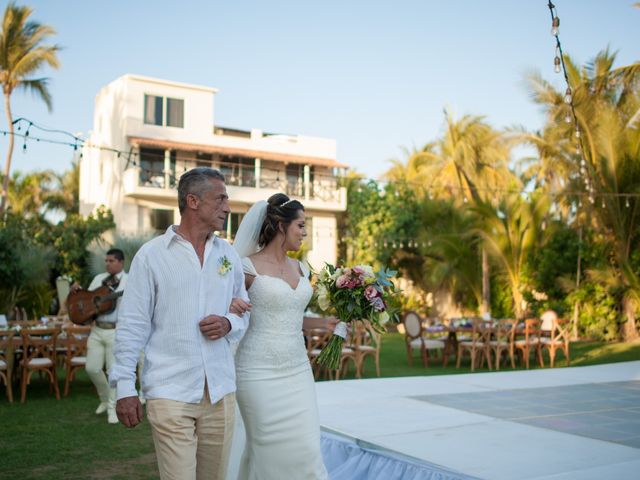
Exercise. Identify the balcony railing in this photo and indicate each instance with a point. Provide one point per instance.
(325, 192)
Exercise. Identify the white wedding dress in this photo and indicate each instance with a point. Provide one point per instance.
(275, 387)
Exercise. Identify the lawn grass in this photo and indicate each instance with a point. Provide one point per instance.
(48, 439)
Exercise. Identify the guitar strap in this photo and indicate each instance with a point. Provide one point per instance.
(111, 282)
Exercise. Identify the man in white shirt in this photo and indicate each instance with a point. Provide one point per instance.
(176, 307)
(103, 334)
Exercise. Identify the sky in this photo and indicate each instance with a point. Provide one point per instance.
(374, 75)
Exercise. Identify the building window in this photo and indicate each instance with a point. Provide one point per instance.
(161, 219)
(175, 112)
(153, 110)
(204, 160)
(231, 225)
(152, 168)
(238, 171)
(163, 111)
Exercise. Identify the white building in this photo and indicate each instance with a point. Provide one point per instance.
(148, 131)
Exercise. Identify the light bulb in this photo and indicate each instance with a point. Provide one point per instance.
(567, 96)
(555, 26)
(567, 117)
(577, 133)
(626, 203)
(556, 64)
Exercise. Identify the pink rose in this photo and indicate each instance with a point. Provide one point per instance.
(370, 292)
(342, 281)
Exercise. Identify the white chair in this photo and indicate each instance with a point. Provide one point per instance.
(415, 339)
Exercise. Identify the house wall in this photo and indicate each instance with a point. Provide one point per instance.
(113, 180)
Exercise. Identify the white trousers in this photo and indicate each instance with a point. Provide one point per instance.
(99, 356)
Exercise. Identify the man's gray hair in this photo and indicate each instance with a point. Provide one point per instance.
(197, 182)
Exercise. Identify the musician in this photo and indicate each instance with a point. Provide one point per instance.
(103, 334)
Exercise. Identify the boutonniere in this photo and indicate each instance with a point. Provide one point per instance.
(225, 265)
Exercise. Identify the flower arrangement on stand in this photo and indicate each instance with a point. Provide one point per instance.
(354, 294)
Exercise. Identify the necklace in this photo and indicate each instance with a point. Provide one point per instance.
(279, 265)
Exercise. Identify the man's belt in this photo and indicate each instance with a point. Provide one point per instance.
(105, 325)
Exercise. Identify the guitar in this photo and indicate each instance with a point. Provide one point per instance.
(85, 305)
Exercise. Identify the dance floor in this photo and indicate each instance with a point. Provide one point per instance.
(563, 423)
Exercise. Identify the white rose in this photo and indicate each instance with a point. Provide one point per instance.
(323, 298)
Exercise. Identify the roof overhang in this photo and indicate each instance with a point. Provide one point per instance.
(245, 152)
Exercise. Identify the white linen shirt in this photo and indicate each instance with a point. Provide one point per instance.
(168, 293)
(111, 317)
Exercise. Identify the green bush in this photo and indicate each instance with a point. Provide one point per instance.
(25, 267)
(598, 318)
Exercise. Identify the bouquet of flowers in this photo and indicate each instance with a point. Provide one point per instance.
(354, 294)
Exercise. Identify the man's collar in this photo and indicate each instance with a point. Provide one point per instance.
(172, 234)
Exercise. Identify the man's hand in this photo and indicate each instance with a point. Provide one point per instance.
(239, 306)
(129, 411)
(214, 326)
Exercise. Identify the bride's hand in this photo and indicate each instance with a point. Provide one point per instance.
(239, 306)
(332, 322)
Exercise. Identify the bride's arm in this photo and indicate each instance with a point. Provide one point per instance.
(248, 280)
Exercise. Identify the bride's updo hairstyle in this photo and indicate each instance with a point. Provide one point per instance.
(280, 210)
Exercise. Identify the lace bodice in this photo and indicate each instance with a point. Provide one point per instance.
(274, 337)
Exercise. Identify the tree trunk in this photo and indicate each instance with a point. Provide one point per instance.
(576, 307)
(629, 329)
(7, 167)
(576, 314)
(486, 286)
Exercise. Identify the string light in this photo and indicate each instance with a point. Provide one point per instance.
(133, 158)
(555, 24)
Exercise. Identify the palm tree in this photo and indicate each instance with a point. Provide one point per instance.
(607, 167)
(66, 195)
(510, 233)
(22, 53)
(450, 261)
(469, 162)
(28, 194)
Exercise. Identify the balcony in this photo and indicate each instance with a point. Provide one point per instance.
(161, 186)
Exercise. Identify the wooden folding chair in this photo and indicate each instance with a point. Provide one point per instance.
(530, 342)
(6, 360)
(75, 358)
(478, 347)
(368, 343)
(555, 336)
(503, 341)
(39, 354)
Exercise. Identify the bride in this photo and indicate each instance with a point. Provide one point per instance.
(275, 386)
